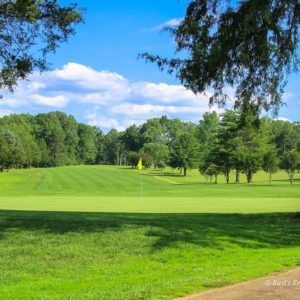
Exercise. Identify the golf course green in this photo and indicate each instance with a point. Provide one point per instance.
(85, 232)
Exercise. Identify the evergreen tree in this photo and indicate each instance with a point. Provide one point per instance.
(184, 152)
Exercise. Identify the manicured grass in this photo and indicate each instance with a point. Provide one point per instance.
(109, 181)
(47, 255)
(84, 233)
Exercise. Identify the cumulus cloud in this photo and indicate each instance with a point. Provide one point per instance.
(171, 23)
(11, 102)
(122, 102)
(149, 109)
(100, 97)
(72, 82)
(163, 92)
(105, 123)
(76, 82)
(55, 101)
(88, 78)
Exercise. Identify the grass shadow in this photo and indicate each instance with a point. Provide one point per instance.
(169, 230)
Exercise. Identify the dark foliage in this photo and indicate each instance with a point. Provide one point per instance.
(250, 45)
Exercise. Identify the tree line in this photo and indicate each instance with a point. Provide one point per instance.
(236, 140)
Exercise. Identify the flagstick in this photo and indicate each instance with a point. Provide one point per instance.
(140, 167)
(141, 176)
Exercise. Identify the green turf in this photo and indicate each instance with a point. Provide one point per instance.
(85, 233)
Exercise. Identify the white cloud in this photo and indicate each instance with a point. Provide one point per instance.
(88, 78)
(171, 23)
(36, 85)
(106, 123)
(53, 88)
(149, 110)
(96, 117)
(11, 102)
(100, 98)
(283, 119)
(4, 112)
(56, 101)
(122, 102)
(164, 92)
(75, 82)
(287, 95)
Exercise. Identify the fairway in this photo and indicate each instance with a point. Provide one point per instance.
(117, 189)
(84, 232)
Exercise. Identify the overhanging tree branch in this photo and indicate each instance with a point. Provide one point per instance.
(29, 30)
(250, 46)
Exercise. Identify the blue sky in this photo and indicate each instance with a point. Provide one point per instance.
(97, 78)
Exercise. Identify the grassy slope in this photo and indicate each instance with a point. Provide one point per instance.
(101, 255)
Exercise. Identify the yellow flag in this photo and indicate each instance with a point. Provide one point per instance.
(140, 164)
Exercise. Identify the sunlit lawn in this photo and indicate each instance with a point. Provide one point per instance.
(85, 233)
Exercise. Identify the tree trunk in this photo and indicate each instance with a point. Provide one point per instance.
(184, 171)
(249, 176)
(237, 176)
(291, 177)
(227, 176)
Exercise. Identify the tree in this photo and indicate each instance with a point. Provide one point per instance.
(184, 152)
(45, 159)
(133, 158)
(225, 149)
(71, 139)
(209, 170)
(161, 165)
(132, 138)
(286, 137)
(250, 151)
(207, 129)
(114, 149)
(173, 127)
(87, 145)
(153, 132)
(5, 150)
(13, 151)
(19, 125)
(247, 143)
(289, 163)
(159, 152)
(99, 146)
(49, 129)
(270, 163)
(287, 141)
(249, 45)
(29, 30)
(147, 160)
